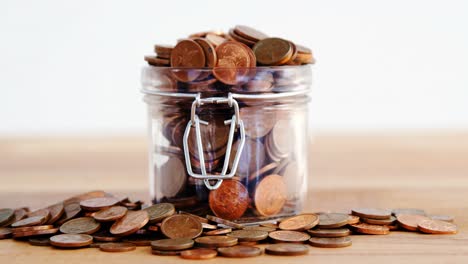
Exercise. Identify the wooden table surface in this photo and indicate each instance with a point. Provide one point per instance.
(427, 171)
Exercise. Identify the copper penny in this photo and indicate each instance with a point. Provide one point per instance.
(117, 247)
(261, 228)
(39, 241)
(258, 86)
(105, 236)
(408, 211)
(230, 200)
(299, 222)
(330, 242)
(332, 220)
(6, 215)
(209, 226)
(110, 214)
(289, 236)
(71, 240)
(72, 210)
(272, 225)
(187, 54)
(280, 143)
(44, 212)
(20, 214)
(272, 51)
(181, 226)
(199, 218)
(338, 232)
(56, 211)
(35, 233)
(259, 121)
(252, 157)
(240, 251)
(82, 225)
(352, 219)
(410, 222)
(158, 212)
(199, 253)
(233, 62)
(270, 195)
(248, 235)
(217, 232)
(96, 204)
(240, 38)
(172, 244)
(32, 228)
(287, 249)
(371, 221)
(30, 221)
(249, 33)
(5, 232)
(166, 252)
(371, 229)
(446, 218)
(163, 51)
(209, 50)
(170, 187)
(130, 223)
(431, 226)
(373, 213)
(216, 241)
(215, 39)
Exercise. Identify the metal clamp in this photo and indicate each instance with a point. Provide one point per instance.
(235, 123)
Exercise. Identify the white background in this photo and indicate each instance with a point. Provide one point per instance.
(73, 66)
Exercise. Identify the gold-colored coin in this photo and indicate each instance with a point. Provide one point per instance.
(338, 232)
(431, 226)
(272, 51)
(371, 229)
(199, 253)
(330, 242)
(332, 220)
(299, 222)
(240, 251)
(181, 226)
(159, 212)
(287, 249)
(289, 236)
(410, 222)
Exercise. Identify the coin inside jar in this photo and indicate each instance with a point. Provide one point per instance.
(230, 200)
(258, 121)
(170, 187)
(270, 195)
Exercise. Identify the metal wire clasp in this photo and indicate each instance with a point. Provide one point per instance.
(235, 123)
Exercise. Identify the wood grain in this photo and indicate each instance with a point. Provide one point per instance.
(428, 171)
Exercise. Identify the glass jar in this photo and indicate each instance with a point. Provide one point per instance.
(229, 142)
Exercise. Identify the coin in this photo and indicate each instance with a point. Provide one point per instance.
(20, 214)
(56, 211)
(330, 242)
(199, 218)
(446, 218)
(155, 61)
(72, 210)
(338, 232)
(5, 232)
(352, 219)
(431, 226)
(39, 241)
(289, 236)
(216, 241)
(248, 235)
(279, 142)
(260, 228)
(158, 212)
(224, 222)
(181, 226)
(96, 204)
(105, 236)
(82, 225)
(299, 222)
(163, 51)
(130, 223)
(372, 213)
(249, 33)
(240, 251)
(117, 247)
(166, 252)
(35, 233)
(371, 229)
(371, 221)
(272, 51)
(187, 54)
(30, 221)
(259, 121)
(199, 253)
(209, 50)
(408, 211)
(215, 39)
(41, 212)
(230, 200)
(332, 220)
(240, 38)
(6, 215)
(287, 249)
(233, 58)
(110, 214)
(171, 187)
(292, 175)
(172, 244)
(251, 159)
(216, 232)
(208, 226)
(71, 240)
(270, 195)
(410, 222)
(32, 228)
(272, 225)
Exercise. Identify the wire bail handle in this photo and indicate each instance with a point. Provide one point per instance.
(235, 123)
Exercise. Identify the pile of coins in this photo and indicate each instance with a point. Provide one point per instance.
(101, 220)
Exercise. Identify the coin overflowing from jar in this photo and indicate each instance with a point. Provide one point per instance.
(267, 160)
(101, 220)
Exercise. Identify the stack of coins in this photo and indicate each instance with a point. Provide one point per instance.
(101, 220)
